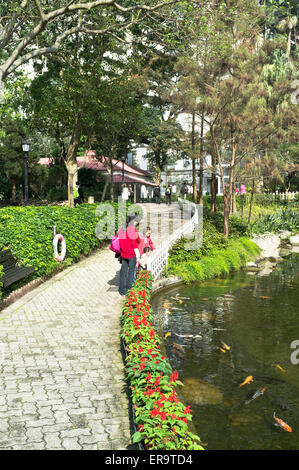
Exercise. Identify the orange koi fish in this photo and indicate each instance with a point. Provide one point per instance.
(282, 424)
(247, 380)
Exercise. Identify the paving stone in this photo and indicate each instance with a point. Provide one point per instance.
(62, 379)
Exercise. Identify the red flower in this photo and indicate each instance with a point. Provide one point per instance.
(148, 377)
(155, 412)
(187, 410)
(174, 376)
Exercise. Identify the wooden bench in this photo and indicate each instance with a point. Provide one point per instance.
(12, 272)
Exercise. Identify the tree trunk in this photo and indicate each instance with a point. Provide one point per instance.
(226, 211)
(289, 42)
(251, 203)
(194, 180)
(111, 178)
(71, 171)
(105, 189)
(201, 160)
(214, 185)
(14, 192)
(71, 164)
(193, 159)
(234, 202)
(228, 191)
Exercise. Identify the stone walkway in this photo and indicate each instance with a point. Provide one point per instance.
(61, 368)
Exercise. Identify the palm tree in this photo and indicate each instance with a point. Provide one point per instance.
(287, 25)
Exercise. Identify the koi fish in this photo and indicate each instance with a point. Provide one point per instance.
(225, 346)
(222, 350)
(179, 347)
(188, 336)
(167, 334)
(247, 380)
(282, 424)
(259, 392)
(279, 367)
(265, 297)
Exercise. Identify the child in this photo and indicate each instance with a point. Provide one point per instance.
(145, 240)
(145, 261)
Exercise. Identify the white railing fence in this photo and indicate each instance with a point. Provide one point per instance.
(160, 255)
(288, 195)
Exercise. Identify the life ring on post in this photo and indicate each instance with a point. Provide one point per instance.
(59, 238)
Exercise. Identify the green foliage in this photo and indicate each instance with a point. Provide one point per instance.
(1, 283)
(236, 227)
(211, 239)
(28, 233)
(282, 219)
(217, 263)
(161, 418)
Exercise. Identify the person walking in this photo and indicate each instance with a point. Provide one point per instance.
(184, 190)
(168, 194)
(131, 193)
(125, 193)
(157, 194)
(78, 194)
(128, 240)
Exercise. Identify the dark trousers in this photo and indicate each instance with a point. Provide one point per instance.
(157, 199)
(127, 274)
(168, 198)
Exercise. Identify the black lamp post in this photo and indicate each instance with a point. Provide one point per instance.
(26, 149)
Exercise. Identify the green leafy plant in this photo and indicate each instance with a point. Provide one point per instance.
(282, 219)
(217, 262)
(28, 233)
(161, 418)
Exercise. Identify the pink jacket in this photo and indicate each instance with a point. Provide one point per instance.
(145, 241)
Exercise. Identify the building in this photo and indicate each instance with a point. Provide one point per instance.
(123, 173)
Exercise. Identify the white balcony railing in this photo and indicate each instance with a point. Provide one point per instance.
(160, 255)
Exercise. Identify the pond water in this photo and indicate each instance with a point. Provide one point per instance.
(257, 317)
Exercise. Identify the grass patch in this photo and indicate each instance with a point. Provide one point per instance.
(217, 263)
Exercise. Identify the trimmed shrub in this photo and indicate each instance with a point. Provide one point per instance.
(28, 233)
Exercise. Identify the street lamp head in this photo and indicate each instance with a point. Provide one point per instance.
(26, 146)
(123, 158)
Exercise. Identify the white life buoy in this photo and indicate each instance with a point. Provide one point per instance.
(59, 238)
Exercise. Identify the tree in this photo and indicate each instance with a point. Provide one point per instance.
(11, 153)
(35, 28)
(163, 136)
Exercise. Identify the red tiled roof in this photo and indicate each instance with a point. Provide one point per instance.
(128, 179)
(132, 174)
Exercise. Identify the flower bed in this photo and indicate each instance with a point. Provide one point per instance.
(161, 418)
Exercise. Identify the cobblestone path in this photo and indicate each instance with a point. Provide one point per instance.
(61, 369)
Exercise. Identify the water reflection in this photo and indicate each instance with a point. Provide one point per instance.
(257, 317)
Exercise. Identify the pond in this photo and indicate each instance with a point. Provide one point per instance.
(257, 318)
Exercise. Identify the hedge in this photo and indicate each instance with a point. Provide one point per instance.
(1, 283)
(161, 418)
(28, 233)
